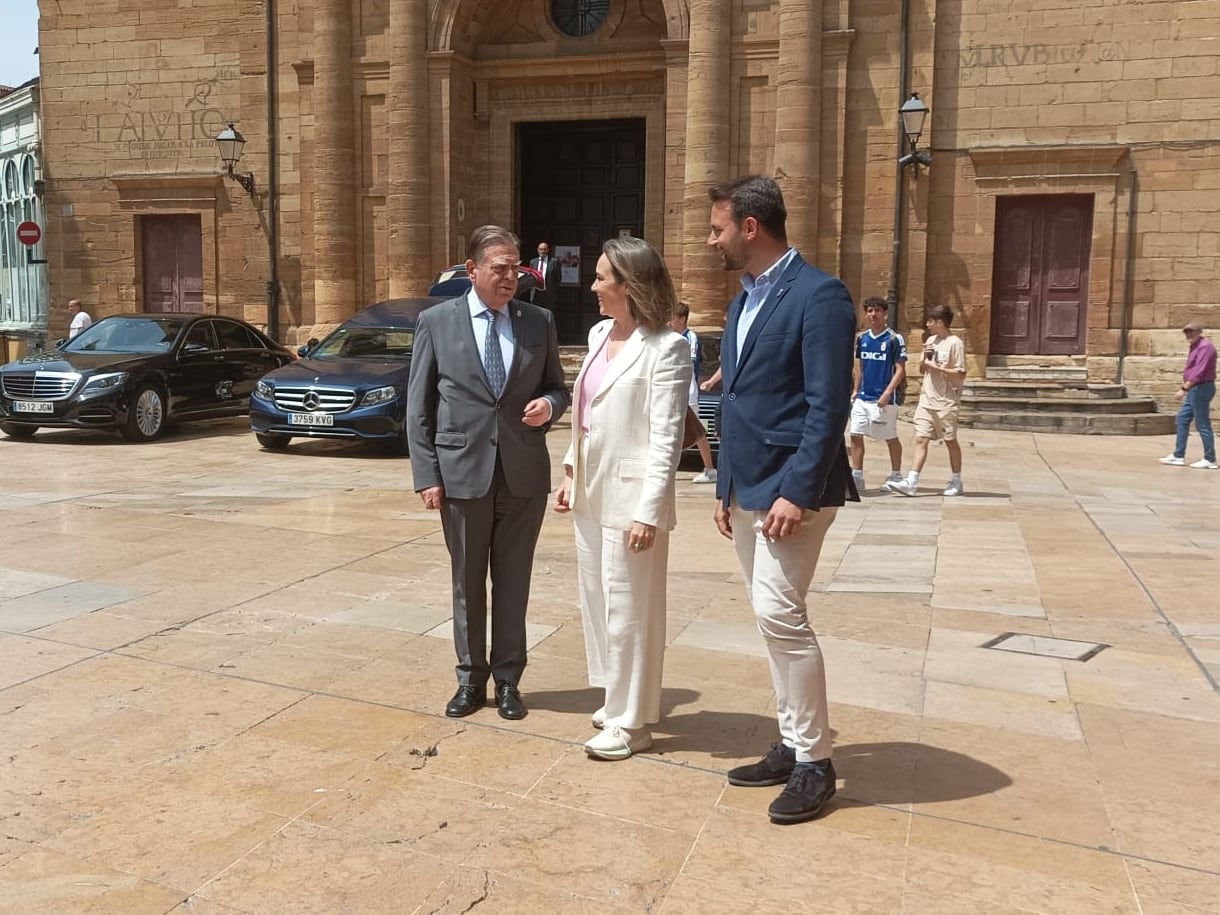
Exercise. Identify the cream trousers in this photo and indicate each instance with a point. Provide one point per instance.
(778, 574)
(622, 605)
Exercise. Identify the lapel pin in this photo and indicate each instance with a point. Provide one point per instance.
(518, 312)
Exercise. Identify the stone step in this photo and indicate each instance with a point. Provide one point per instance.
(1066, 373)
(1073, 423)
(1031, 390)
(1110, 405)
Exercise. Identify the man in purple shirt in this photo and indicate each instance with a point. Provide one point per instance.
(1198, 389)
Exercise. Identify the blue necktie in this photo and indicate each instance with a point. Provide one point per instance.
(493, 359)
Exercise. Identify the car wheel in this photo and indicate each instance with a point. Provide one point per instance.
(273, 441)
(13, 430)
(145, 416)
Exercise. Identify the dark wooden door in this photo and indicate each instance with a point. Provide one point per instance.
(580, 182)
(173, 263)
(1041, 268)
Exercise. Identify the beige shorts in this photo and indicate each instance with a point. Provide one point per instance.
(936, 424)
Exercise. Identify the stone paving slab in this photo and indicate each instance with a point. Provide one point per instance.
(223, 676)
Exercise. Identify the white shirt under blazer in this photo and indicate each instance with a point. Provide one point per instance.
(625, 470)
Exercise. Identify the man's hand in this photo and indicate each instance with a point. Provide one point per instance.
(537, 412)
(433, 496)
(783, 520)
(722, 520)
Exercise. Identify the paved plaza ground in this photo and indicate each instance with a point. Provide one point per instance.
(222, 676)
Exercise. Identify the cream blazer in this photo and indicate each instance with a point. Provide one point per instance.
(625, 472)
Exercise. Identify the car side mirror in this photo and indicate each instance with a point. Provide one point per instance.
(193, 349)
(303, 350)
(310, 345)
(61, 342)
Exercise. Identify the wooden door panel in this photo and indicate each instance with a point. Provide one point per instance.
(172, 248)
(581, 182)
(1041, 270)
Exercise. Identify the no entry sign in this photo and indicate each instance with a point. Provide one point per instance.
(29, 233)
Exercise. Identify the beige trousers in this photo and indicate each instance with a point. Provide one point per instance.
(778, 574)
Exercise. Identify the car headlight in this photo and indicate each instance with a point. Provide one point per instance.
(264, 389)
(107, 382)
(379, 395)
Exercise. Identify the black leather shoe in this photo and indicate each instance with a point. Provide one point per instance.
(467, 699)
(807, 792)
(509, 700)
(773, 769)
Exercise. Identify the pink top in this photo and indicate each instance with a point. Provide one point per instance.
(595, 373)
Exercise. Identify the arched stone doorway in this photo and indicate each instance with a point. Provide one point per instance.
(517, 89)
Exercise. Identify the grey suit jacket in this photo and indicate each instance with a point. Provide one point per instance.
(456, 425)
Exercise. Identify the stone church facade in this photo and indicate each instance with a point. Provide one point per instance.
(1071, 211)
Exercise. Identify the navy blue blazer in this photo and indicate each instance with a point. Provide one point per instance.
(787, 395)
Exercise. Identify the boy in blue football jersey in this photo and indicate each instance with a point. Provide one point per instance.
(878, 380)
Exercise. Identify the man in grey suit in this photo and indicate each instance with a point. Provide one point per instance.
(485, 386)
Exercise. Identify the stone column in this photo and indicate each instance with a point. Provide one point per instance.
(409, 210)
(334, 164)
(708, 90)
(798, 110)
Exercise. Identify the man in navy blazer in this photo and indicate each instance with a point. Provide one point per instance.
(786, 360)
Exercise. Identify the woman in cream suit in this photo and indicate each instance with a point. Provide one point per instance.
(628, 407)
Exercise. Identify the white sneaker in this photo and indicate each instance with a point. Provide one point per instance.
(1205, 464)
(1173, 461)
(599, 718)
(858, 479)
(707, 476)
(618, 743)
(903, 487)
(952, 489)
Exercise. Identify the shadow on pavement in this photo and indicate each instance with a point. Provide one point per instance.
(900, 772)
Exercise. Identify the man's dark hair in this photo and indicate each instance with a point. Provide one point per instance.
(758, 196)
(941, 313)
(875, 301)
(682, 310)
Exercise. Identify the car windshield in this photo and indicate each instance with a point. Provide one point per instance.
(377, 344)
(127, 335)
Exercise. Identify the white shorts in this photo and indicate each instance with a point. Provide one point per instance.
(878, 423)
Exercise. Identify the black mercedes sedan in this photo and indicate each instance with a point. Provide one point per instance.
(136, 373)
(352, 385)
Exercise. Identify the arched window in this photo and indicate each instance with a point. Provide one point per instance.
(10, 181)
(27, 176)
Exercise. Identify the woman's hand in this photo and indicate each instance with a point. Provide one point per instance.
(562, 494)
(641, 537)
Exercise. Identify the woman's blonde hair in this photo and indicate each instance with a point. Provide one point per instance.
(650, 291)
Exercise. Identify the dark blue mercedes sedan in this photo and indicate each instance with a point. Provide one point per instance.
(352, 385)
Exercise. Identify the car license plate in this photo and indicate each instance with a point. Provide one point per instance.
(311, 419)
(32, 406)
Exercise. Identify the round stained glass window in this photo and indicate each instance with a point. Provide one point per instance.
(579, 18)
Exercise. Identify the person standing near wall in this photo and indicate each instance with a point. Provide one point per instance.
(78, 317)
(1196, 393)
